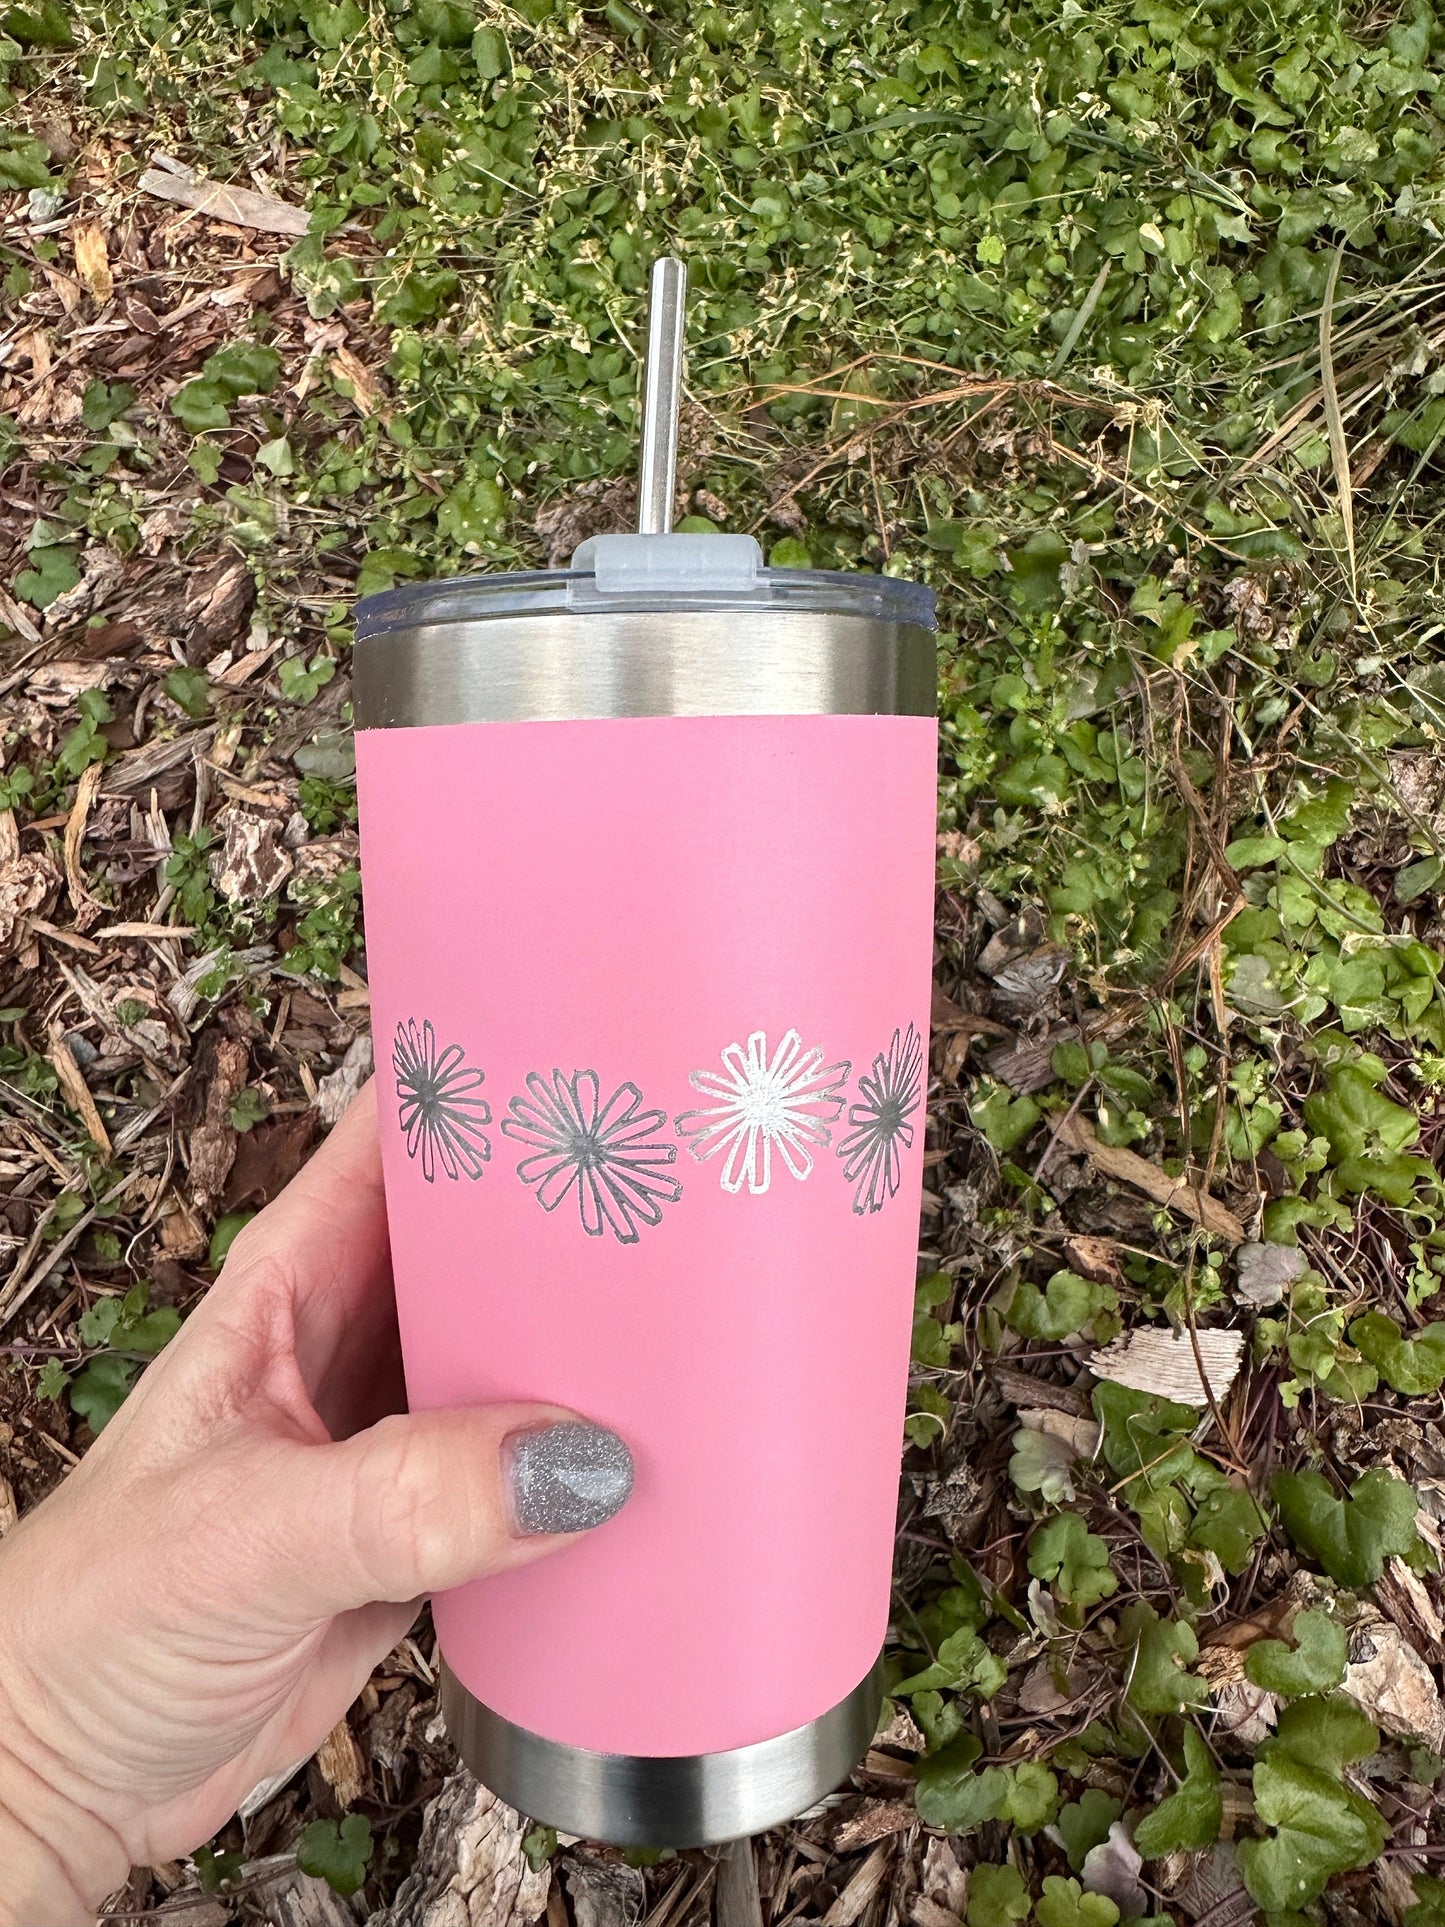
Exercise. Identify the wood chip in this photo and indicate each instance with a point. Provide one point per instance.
(77, 1091)
(603, 1894)
(1389, 1681)
(1029, 1064)
(92, 261)
(134, 772)
(14, 617)
(1166, 1363)
(1404, 1596)
(72, 938)
(738, 1902)
(943, 1879)
(853, 1901)
(238, 206)
(224, 1067)
(1029, 1390)
(1175, 1194)
(300, 1900)
(875, 1820)
(9, 1511)
(339, 1762)
(338, 1091)
(928, 1913)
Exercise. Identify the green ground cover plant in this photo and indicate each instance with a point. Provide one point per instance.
(1122, 328)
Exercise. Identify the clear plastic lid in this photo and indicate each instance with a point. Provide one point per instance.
(541, 592)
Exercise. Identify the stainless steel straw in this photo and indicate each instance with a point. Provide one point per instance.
(666, 327)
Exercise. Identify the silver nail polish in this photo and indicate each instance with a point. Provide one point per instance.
(565, 1477)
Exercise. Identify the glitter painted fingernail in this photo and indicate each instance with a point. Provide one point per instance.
(565, 1477)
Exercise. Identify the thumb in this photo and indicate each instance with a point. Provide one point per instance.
(424, 1501)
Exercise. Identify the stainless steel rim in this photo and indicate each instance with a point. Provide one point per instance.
(687, 1800)
(562, 668)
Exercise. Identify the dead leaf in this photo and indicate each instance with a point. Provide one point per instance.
(1080, 1435)
(27, 884)
(92, 261)
(1112, 1868)
(1242, 1710)
(946, 1015)
(77, 1091)
(34, 347)
(1165, 1363)
(86, 791)
(9, 1511)
(366, 390)
(183, 1236)
(1175, 1194)
(1094, 1258)
(170, 180)
(902, 1731)
(1209, 1887)
(267, 1158)
(1265, 1271)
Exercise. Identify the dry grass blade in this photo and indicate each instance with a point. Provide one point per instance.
(1334, 421)
(1175, 1194)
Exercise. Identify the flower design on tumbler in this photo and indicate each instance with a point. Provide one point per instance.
(608, 1153)
(882, 1122)
(789, 1101)
(439, 1106)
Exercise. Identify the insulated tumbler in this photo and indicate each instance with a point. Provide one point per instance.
(648, 855)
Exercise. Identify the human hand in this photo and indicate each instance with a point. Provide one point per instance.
(201, 1600)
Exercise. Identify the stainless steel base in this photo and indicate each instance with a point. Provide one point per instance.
(684, 1800)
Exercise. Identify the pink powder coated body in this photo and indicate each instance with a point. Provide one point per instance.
(631, 897)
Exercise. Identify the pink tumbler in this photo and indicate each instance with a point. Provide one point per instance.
(648, 855)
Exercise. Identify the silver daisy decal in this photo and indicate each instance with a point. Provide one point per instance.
(440, 1107)
(608, 1153)
(882, 1122)
(788, 1100)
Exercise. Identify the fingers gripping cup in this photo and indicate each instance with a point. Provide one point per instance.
(648, 853)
